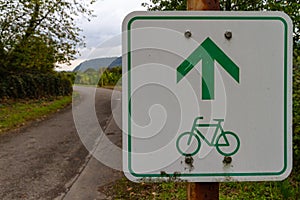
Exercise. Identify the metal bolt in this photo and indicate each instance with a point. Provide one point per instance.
(228, 35)
(188, 34)
(227, 160)
(189, 160)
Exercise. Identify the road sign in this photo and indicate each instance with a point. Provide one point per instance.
(207, 96)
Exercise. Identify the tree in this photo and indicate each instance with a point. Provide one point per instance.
(290, 7)
(32, 55)
(46, 24)
(166, 5)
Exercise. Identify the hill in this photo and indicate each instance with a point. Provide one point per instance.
(97, 63)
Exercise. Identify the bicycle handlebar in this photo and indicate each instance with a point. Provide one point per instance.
(198, 118)
(201, 117)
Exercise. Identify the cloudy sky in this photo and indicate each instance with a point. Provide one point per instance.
(103, 31)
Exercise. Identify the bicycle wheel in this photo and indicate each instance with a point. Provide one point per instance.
(228, 143)
(188, 144)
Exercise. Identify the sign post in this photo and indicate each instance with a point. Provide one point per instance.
(203, 190)
(203, 5)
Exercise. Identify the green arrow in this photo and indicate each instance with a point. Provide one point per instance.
(208, 52)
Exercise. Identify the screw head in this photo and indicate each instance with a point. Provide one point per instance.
(228, 35)
(189, 160)
(188, 34)
(227, 160)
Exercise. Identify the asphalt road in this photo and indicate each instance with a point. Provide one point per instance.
(41, 160)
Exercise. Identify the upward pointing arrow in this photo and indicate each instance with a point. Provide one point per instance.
(208, 52)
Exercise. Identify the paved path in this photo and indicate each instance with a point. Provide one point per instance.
(43, 159)
(96, 174)
(106, 156)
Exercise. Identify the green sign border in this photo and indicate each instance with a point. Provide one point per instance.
(220, 18)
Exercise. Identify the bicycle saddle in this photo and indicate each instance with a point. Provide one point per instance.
(219, 120)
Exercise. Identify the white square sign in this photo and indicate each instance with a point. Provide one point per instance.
(207, 96)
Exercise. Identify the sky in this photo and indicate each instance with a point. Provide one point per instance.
(102, 33)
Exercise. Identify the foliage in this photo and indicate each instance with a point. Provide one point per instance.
(289, 7)
(110, 76)
(166, 5)
(28, 85)
(88, 77)
(32, 56)
(70, 75)
(292, 8)
(124, 189)
(14, 114)
(103, 77)
(38, 29)
(260, 190)
(296, 118)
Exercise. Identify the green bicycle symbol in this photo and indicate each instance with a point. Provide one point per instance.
(227, 143)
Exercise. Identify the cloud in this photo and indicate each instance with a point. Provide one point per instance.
(102, 33)
(107, 24)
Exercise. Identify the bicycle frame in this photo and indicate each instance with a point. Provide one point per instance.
(197, 135)
(217, 125)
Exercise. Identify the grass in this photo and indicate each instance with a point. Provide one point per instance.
(14, 114)
(125, 189)
(287, 189)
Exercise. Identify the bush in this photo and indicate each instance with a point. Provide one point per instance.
(103, 77)
(110, 76)
(34, 86)
(296, 116)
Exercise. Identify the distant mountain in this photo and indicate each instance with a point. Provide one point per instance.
(116, 62)
(97, 63)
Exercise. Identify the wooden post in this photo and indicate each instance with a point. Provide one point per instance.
(203, 5)
(203, 191)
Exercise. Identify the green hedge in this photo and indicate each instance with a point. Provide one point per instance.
(34, 85)
(296, 117)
